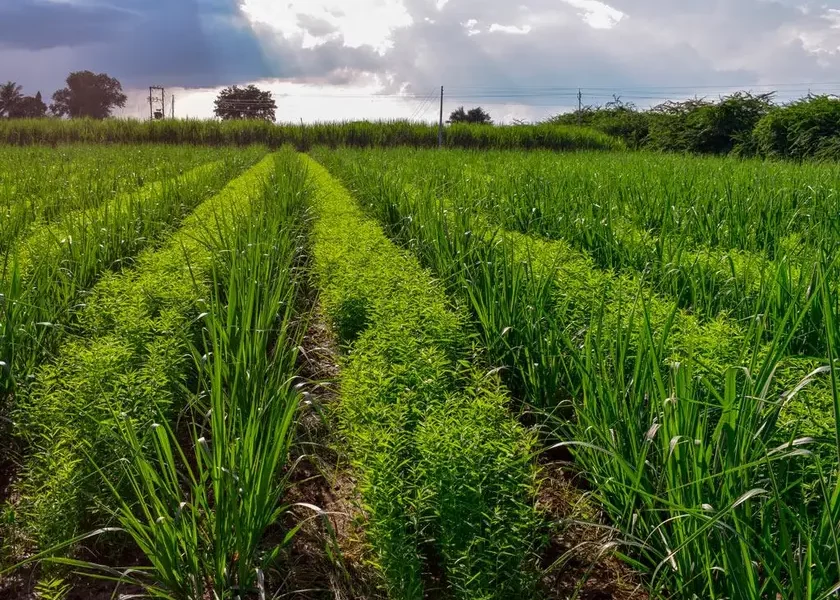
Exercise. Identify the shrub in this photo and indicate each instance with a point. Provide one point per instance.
(808, 128)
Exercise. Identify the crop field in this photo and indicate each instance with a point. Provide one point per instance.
(402, 373)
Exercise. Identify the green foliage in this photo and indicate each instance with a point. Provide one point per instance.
(38, 185)
(10, 95)
(617, 119)
(438, 488)
(201, 521)
(363, 134)
(807, 128)
(476, 116)
(53, 588)
(248, 102)
(742, 123)
(88, 95)
(708, 127)
(45, 273)
(683, 428)
(127, 360)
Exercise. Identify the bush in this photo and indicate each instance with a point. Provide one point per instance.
(617, 119)
(709, 128)
(808, 128)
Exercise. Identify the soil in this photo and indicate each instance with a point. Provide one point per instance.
(579, 561)
(328, 556)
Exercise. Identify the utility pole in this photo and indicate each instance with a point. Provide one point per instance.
(172, 112)
(580, 105)
(154, 99)
(440, 123)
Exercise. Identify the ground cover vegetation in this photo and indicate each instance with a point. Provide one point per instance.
(167, 413)
(710, 442)
(445, 472)
(667, 322)
(743, 124)
(49, 268)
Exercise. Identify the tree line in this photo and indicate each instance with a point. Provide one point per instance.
(85, 94)
(742, 124)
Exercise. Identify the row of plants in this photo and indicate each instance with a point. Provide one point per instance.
(596, 219)
(445, 473)
(38, 184)
(350, 133)
(603, 206)
(46, 275)
(716, 202)
(742, 123)
(693, 437)
(169, 413)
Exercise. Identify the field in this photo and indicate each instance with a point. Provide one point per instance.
(410, 373)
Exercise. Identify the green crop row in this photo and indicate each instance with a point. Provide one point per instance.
(128, 358)
(690, 453)
(38, 184)
(706, 281)
(46, 274)
(445, 473)
(352, 133)
(208, 511)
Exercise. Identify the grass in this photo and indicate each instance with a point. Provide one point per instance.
(670, 322)
(679, 426)
(127, 358)
(351, 133)
(200, 511)
(39, 184)
(46, 274)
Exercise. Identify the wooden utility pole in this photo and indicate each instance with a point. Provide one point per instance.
(172, 112)
(440, 123)
(580, 106)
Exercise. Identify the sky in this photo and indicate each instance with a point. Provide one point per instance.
(372, 59)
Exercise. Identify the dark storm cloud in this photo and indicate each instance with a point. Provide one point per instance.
(184, 43)
(171, 42)
(39, 24)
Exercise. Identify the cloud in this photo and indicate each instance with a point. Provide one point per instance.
(41, 24)
(316, 26)
(510, 29)
(597, 14)
(528, 56)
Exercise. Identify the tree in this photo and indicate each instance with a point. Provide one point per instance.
(245, 103)
(29, 107)
(88, 95)
(476, 116)
(10, 95)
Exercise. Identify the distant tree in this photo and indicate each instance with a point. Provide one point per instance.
(88, 95)
(245, 103)
(10, 95)
(29, 107)
(475, 115)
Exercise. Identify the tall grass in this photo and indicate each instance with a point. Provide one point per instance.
(200, 511)
(128, 354)
(350, 133)
(38, 184)
(45, 275)
(683, 431)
